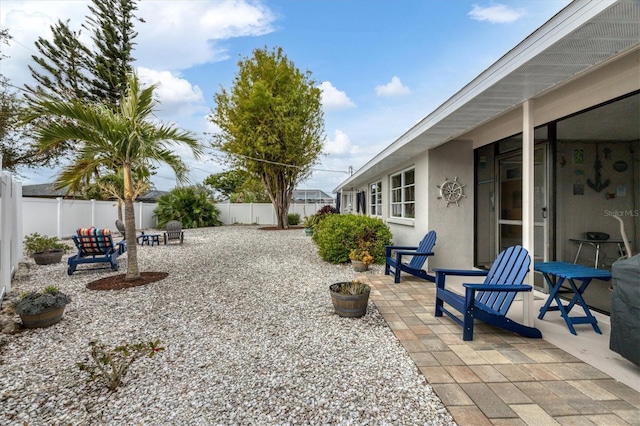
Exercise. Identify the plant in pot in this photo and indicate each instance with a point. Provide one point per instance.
(360, 256)
(41, 308)
(309, 222)
(44, 250)
(350, 298)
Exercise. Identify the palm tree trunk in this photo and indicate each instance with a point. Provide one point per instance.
(133, 273)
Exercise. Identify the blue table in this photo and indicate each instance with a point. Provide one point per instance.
(149, 239)
(557, 273)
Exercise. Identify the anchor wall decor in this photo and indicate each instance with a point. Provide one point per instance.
(598, 185)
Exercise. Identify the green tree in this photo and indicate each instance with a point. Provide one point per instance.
(238, 186)
(66, 69)
(126, 139)
(62, 67)
(271, 124)
(190, 205)
(112, 27)
(15, 152)
(227, 182)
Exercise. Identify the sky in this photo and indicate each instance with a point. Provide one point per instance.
(382, 65)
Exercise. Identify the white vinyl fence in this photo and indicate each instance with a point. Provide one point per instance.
(261, 213)
(61, 218)
(10, 229)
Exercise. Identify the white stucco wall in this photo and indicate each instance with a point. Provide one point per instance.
(453, 224)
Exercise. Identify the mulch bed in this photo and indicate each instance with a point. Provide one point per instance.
(275, 228)
(118, 282)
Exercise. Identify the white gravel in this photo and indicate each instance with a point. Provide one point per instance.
(250, 336)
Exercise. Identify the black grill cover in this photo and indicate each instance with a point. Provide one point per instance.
(625, 309)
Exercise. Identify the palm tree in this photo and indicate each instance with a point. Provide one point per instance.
(127, 140)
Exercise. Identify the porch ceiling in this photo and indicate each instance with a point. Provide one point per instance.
(582, 36)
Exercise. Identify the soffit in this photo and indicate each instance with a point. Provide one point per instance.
(580, 37)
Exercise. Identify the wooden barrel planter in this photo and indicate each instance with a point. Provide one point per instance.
(359, 266)
(46, 318)
(347, 305)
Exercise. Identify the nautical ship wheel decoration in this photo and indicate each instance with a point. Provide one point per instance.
(451, 191)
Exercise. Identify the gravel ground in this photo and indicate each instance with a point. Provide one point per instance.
(250, 337)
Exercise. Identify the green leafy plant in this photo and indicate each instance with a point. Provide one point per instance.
(293, 219)
(113, 364)
(35, 302)
(336, 235)
(351, 288)
(189, 205)
(36, 243)
(310, 221)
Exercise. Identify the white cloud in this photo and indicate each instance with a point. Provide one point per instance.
(340, 145)
(496, 14)
(392, 88)
(176, 95)
(179, 35)
(334, 99)
(174, 36)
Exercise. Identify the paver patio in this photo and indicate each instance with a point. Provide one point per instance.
(498, 378)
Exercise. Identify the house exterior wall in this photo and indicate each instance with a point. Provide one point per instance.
(453, 223)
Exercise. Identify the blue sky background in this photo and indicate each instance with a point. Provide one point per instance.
(382, 64)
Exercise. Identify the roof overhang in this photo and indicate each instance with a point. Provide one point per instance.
(581, 37)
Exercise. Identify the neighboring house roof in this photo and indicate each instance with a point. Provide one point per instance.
(47, 190)
(43, 190)
(582, 36)
(312, 194)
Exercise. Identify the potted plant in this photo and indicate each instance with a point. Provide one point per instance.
(360, 256)
(309, 222)
(350, 298)
(41, 308)
(44, 250)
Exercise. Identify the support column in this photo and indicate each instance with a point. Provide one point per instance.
(528, 237)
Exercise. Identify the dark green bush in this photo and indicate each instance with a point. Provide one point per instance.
(293, 219)
(189, 205)
(337, 234)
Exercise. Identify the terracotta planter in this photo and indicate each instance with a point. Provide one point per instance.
(359, 266)
(48, 257)
(347, 305)
(46, 318)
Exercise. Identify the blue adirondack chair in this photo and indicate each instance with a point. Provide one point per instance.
(95, 246)
(489, 301)
(414, 266)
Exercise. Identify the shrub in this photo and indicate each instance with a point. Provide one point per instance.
(337, 235)
(293, 219)
(189, 205)
(327, 210)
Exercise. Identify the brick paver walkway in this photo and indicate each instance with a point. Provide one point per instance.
(498, 378)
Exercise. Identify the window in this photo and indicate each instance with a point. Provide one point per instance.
(403, 194)
(375, 199)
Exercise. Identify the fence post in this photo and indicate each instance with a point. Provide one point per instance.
(59, 221)
(18, 232)
(5, 234)
(140, 215)
(93, 212)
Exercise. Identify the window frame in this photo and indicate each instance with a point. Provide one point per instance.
(375, 208)
(403, 190)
